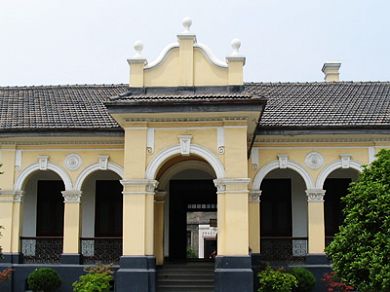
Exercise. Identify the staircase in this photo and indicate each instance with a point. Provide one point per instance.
(190, 276)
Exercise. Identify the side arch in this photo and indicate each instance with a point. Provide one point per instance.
(332, 167)
(50, 166)
(275, 165)
(163, 156)
(95, 167)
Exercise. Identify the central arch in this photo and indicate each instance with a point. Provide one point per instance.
(165, 155)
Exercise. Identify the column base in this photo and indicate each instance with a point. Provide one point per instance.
(317, 259)
(71, 259)
(136, 273)
(233, 273)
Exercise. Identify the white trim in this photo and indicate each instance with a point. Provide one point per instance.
(150, 140)
(36, 166)
(182, 166)
(205, 50)
(162, 56)
(95, 167)
(371, 154)
(163, 156)
(255, 159)
(275, 165)
(220, 140)
(18, 159)
(332, 167)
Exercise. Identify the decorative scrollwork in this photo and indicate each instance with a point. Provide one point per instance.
(42, 250)
(101, 250)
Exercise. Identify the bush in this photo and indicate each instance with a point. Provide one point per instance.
(43, 279)
(93, 282)
(334, 284)
(305, 278)
(271, 280)
(360, 251)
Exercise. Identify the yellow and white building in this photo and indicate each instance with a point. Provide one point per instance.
(106, 173)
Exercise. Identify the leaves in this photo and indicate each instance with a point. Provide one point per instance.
(360, 252)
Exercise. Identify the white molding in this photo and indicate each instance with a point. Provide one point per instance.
(275, 165)
(283, 160)
(255, 159)
(254, 196)
(182, 166)
(150, 141)
(164, 155)
(95, 167)
(150, 186)
(332, 167)
(103, 161)
(206, 51)
(36, 166)
(220, 140)
(16, 196)
(221, 183)
(18, 159)
(345, 160)
(43, 161)
(314, 160)
(315, 195)
(72, 196)
(164, 53)
(371, 154)
(72, 161)
(185, 144)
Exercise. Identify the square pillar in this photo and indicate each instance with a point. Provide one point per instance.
(137, 264)
(233, 266)
(11, 221)
(254, 221)
(159, 206)
(71, 240)
(316, 225)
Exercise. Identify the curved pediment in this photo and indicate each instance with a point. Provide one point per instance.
(186, 63)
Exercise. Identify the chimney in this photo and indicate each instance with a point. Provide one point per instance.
(331, 71)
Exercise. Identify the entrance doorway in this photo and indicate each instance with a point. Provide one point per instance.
(192, 206)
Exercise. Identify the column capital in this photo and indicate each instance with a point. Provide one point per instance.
(232, 185)
(72, 196)
(160, 196)
(139, 186)
(11, 196)
(315, 195)
(254, 196)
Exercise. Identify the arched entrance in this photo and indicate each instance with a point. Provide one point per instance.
(190, 208)
(43, 217)
(283, 216)
(336, 186)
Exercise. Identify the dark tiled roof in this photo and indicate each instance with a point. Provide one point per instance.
(289, 105)
(57, 107)
(324, 105)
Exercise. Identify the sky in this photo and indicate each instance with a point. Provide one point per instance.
(51, 42)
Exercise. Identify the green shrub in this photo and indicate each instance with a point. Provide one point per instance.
(43, 279)
(93, 282)
(272, 280)
(305, 278)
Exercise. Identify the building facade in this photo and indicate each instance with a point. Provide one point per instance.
(108, 173)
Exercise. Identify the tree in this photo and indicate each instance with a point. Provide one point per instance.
(360, 251)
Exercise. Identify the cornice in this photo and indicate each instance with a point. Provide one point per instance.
(333, 139)
(64, 142)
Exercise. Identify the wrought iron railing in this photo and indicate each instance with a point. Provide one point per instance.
(105, 250)
(283, 248)
(42, 249)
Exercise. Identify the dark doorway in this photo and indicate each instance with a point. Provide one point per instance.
(50, 208)
(336, 188)
(275, 205)
(187, 195)
(108, 214)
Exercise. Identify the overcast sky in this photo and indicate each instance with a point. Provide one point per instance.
(88, 41)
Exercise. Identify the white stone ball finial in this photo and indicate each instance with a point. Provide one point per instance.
(187, 22)
(138, 47)
(236, 44)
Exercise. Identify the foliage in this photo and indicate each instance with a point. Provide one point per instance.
(334, 284)
(97, 280)
(273, 280)
(99, 269)
(305, 278)
(43, 279)
(1, 227)
(93, 282)
(191, 253)
(360, 252)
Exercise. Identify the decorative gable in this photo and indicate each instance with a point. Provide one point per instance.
(186, 63)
